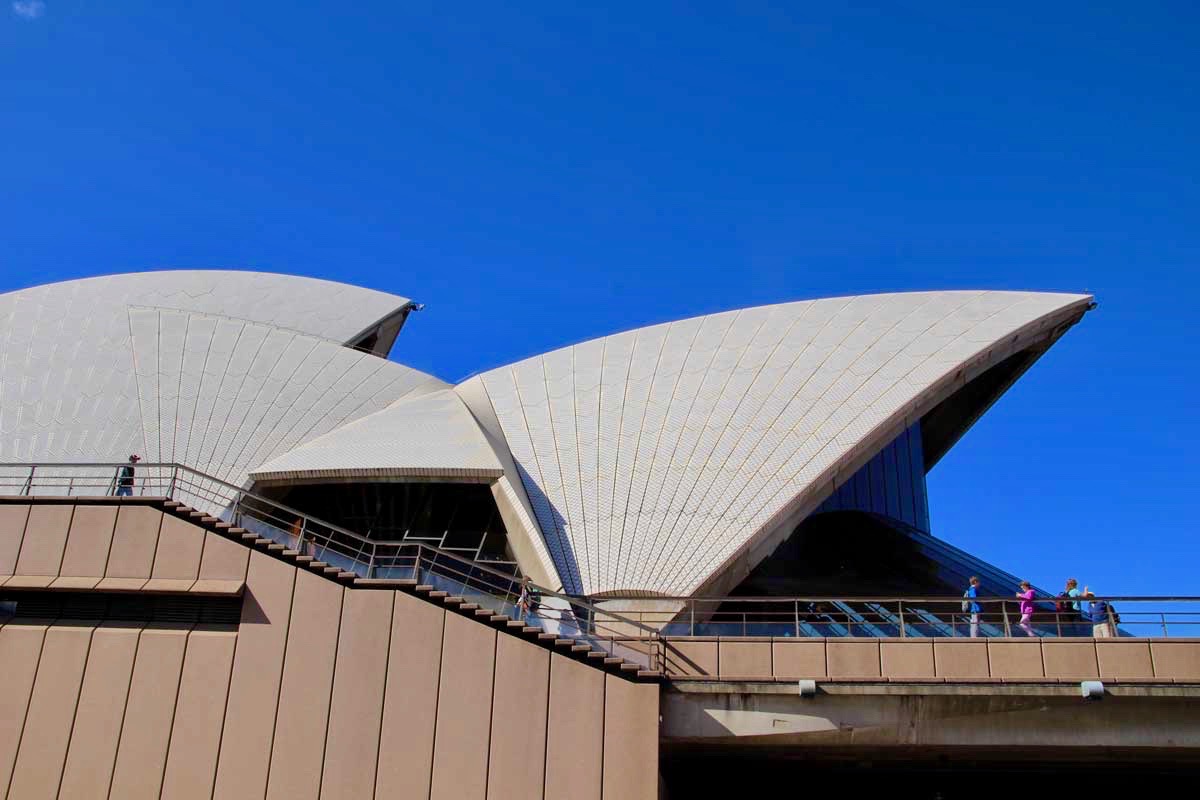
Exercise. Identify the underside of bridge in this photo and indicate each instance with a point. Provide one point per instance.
(943, 741)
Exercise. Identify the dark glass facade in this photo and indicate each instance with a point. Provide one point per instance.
(892, 484)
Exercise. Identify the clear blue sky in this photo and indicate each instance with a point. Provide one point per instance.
(542, 175)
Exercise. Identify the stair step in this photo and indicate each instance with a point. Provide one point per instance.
(332, 570)
(222, 526)
(347, 575)
(303, 559)
(564, 642)
(498, 618)
(172, 504)
(236, 531)
(484, 612)
(597, 654)
(628, 667)
(468, 607)
(249, 536)
(317, 565)
(291, 553)
(581, 648)
(423, 587)
(531, 629)
(197, 514)
(648, 673)
(276, 548)
(515, 624)
(438, 595)
(613, 660)
(454, 600)
(546, 637)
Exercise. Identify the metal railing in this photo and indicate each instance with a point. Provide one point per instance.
(495, 585)
(909, 617)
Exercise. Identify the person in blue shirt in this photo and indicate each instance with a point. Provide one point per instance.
(970, 604)
(1097, 612)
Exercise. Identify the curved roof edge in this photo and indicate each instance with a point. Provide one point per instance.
(1034, 339)
(313, 306)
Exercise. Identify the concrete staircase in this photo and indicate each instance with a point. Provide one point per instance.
(577, 648)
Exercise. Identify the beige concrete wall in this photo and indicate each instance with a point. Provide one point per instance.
(1018, 659)
(321, 691)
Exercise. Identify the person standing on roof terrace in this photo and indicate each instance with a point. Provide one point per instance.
(125, 476)
(971, 606)
(1099, 613)
(1025, 593)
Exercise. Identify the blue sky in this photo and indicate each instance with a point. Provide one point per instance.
(539, 174)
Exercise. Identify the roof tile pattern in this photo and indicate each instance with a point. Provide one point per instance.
(68, 388)
(652, 456)
(223, 395)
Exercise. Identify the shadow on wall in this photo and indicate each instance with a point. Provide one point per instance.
(252, 611)
(555, 531)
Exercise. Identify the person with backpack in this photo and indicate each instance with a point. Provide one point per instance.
(1025, 593)
(969, 604)
(1101, 615)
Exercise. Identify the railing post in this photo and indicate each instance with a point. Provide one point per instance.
(1007, 627)
(796, 611)
(1112, 622)
(171, 487)
(371, 563)
(692, 625)
(900, 616)
(27, 489)
(1164, 624)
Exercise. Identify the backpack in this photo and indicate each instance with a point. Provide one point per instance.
(966, 604)
(1062, 606)
(535, 598)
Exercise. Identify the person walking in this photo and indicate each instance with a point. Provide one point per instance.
(125, 477)
(971, 606)
(1099, 614)
(524, 599)
(1025, 594)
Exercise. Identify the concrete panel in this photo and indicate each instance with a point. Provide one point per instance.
(149, 713)
(20, 649)
(744, 659)
(1064, 659)
(97, 729)
(88, 541)
(134, 542)
(464, 711)
(178, 554)
(223, 560)
(690, 657)
(798, 659)
(43, 749)
(630, 740)
(1015, 659)
(1124, 659)
(254, 687)
(352, 746)
(410, 699)
(907, 659)
(196, 732)
(45, 540)
(575, 731)
(1176, 659)
(961, 659)
(848, 659)
(304, 692)
(517, 764)
(12, 530)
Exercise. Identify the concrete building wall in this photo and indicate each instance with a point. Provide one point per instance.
(321, 691)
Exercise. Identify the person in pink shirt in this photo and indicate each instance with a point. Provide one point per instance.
(1026, 596)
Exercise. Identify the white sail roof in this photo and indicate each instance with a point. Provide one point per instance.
(653, 458)
(217, 369)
